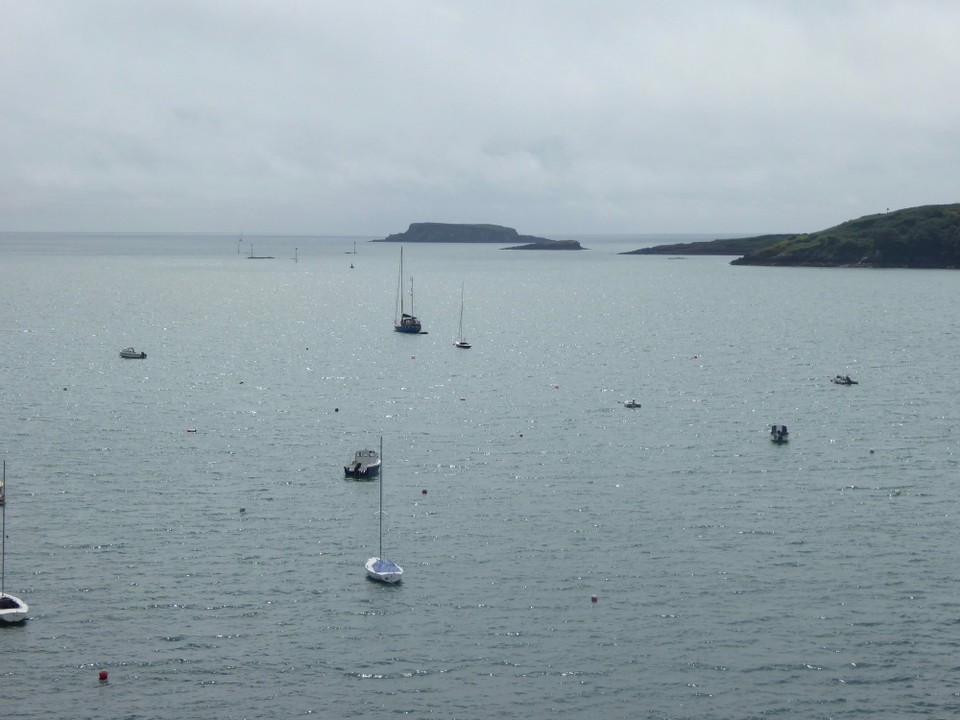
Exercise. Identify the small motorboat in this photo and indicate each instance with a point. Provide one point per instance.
(842, 380)
(779, 433)
(366, 464)
(631, 404)
(130, 354)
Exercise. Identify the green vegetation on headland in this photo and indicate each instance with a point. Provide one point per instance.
(920, 237)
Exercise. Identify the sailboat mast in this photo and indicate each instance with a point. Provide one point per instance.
(3, 504)
(380, 551)
(400, 286)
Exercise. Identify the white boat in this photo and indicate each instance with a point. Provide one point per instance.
(12, 609)
(403, 321)
(631, 404)
(380, 568)
(131, 354)
(779, 434)
(461, 342)
(365, 464)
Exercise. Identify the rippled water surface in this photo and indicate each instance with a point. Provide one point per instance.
(733, 577)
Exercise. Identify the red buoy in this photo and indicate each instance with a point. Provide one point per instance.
(104, 676)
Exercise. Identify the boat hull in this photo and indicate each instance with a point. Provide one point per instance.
(131, 354)
(361, 473)
(12, 609)
(383, 570)
(365, 465)
(411, 328)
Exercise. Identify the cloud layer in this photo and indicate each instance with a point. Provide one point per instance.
(554, 117)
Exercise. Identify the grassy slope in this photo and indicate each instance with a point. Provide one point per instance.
(920, 237)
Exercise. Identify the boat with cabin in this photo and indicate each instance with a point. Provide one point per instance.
(365, 465)
(405, 322)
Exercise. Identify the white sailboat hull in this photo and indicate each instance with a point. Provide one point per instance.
(16, 613)
(383, 570)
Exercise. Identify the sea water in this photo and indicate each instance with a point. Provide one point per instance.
(183, 522)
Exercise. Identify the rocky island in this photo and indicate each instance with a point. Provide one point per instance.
(921, 237)
(430, 232)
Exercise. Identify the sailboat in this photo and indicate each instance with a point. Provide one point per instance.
(405, 322)
(12, 609)
(379, 568)
(461, 342)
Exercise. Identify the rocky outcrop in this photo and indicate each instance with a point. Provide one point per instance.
(549, 245)
(429, 232)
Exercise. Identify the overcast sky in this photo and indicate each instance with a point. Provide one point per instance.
(554, 117)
